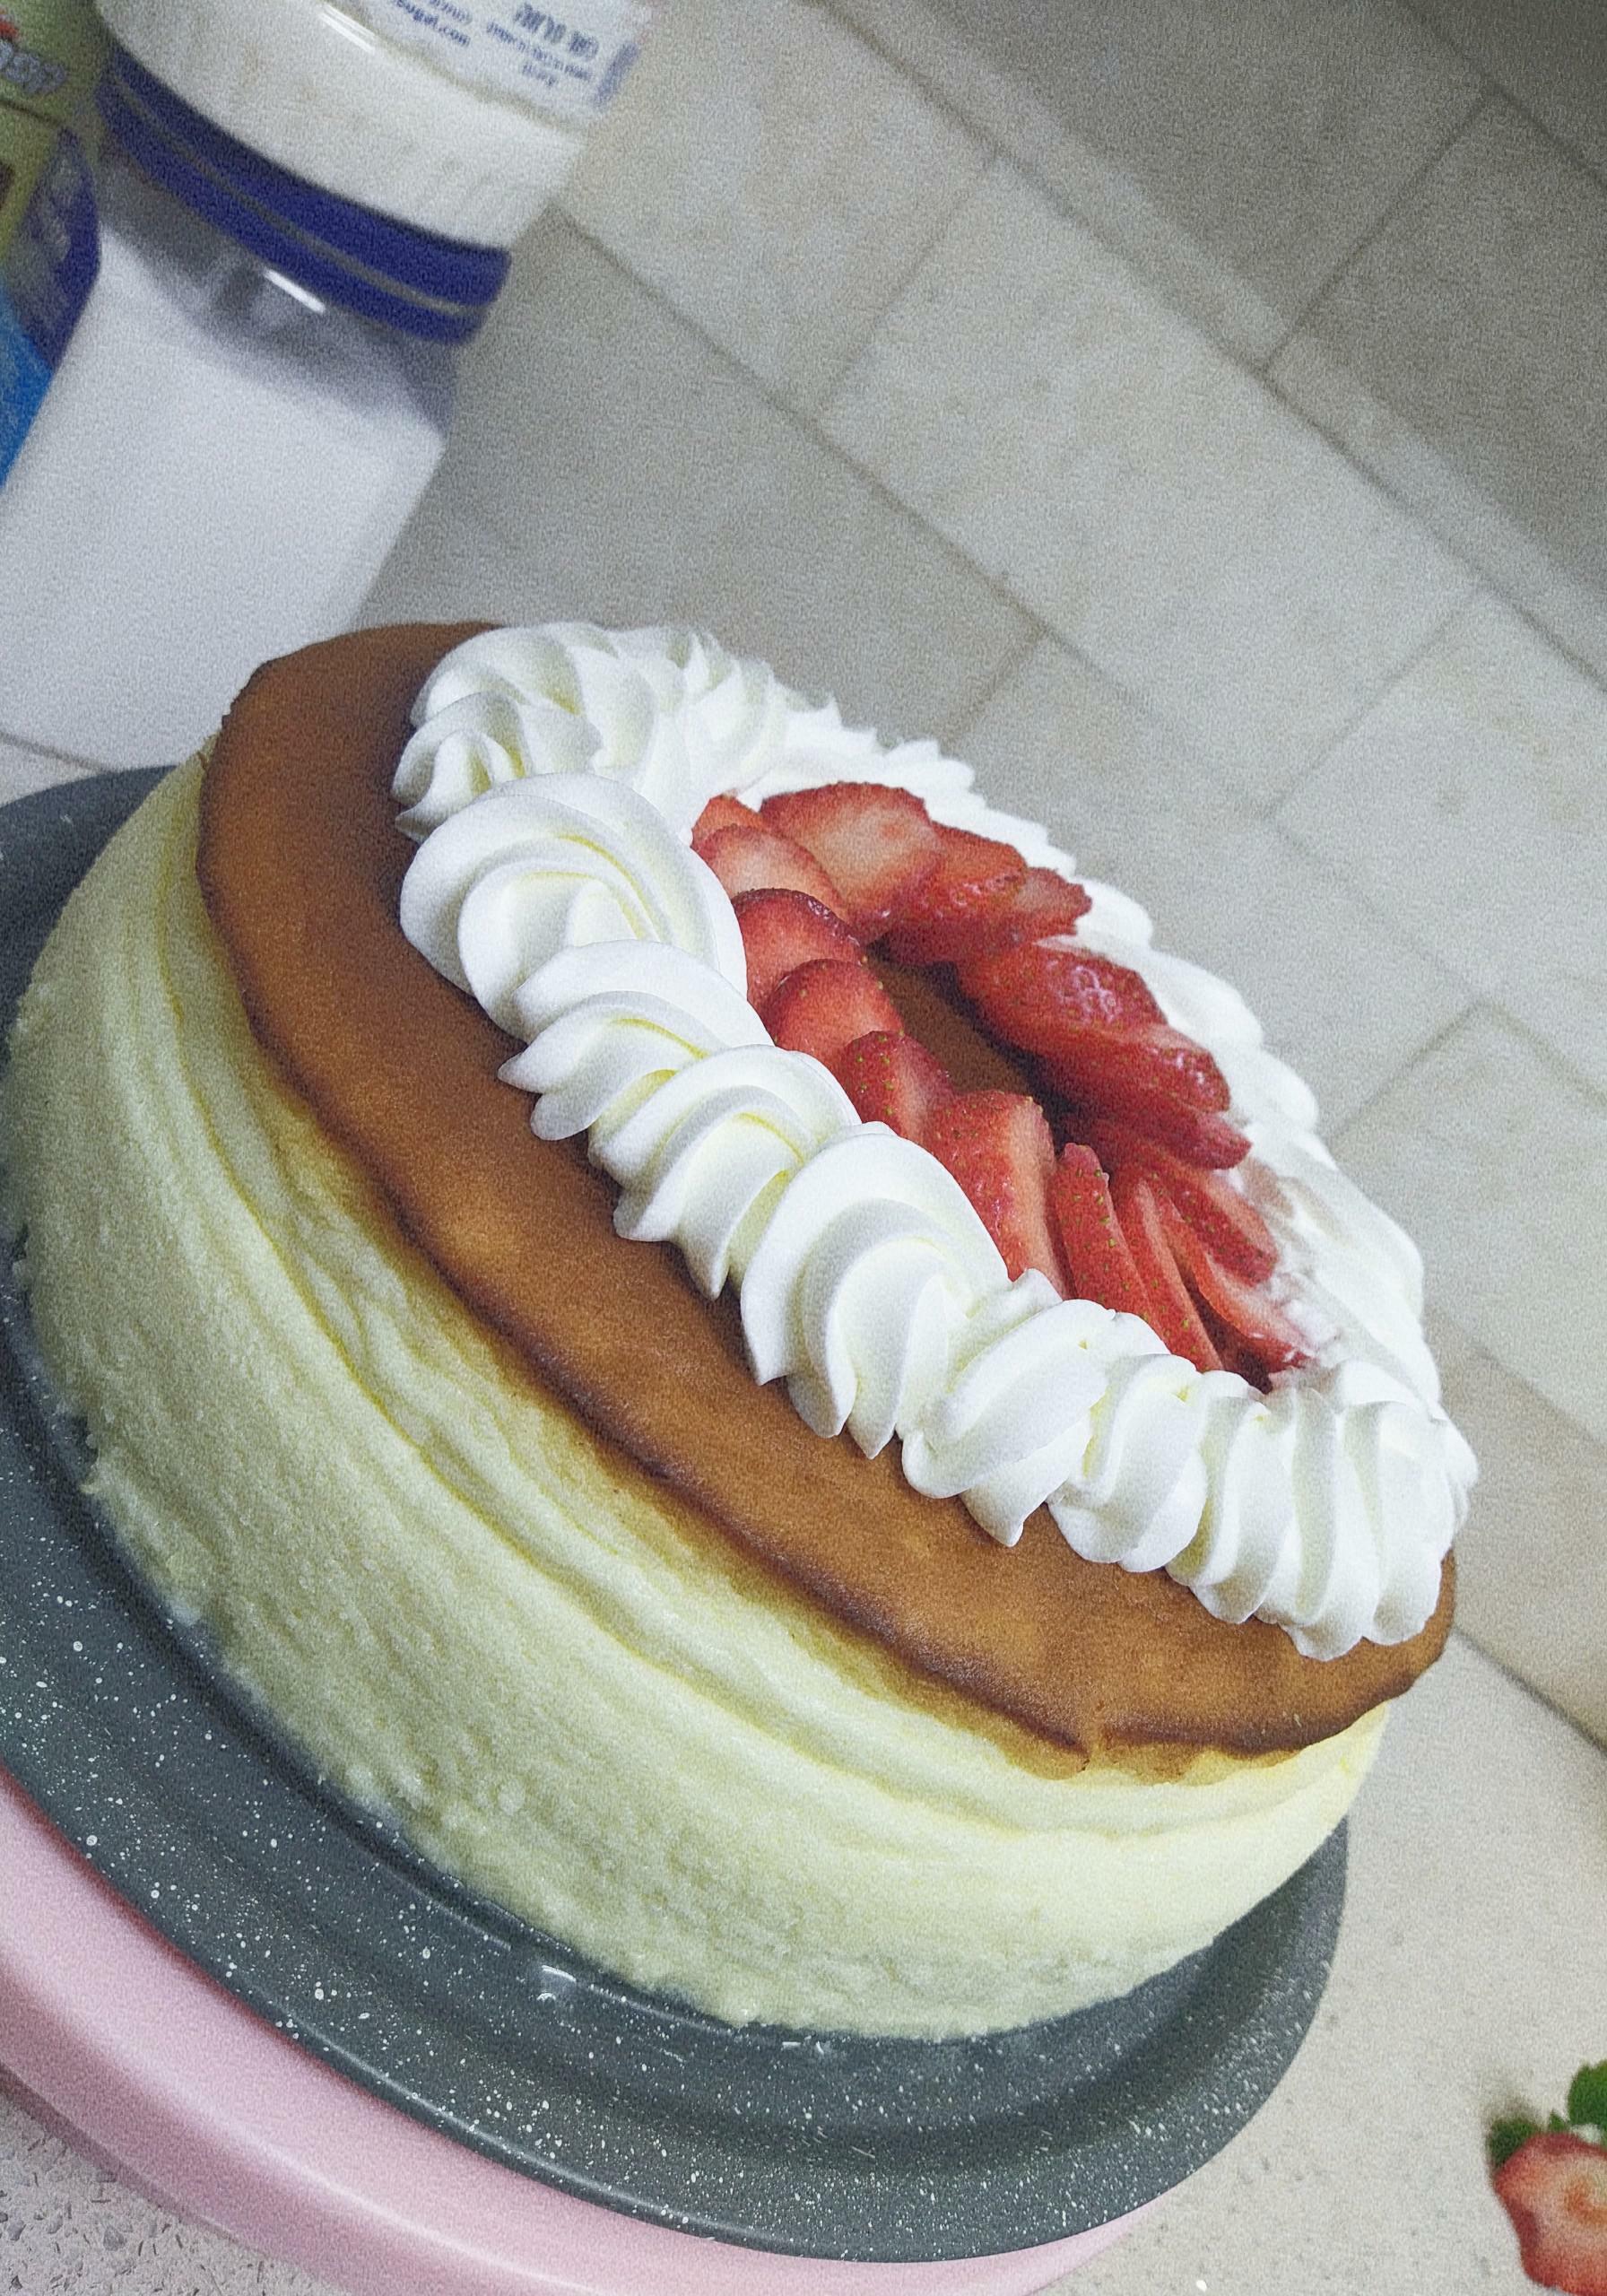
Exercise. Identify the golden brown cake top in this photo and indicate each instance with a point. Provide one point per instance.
(301, 865)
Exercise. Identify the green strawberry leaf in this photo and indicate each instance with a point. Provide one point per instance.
(1507, 2136)
(1587, 2096)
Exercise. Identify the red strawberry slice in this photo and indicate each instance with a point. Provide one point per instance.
(1172, 1312)
(1154, 1079)
(878, 846)
(1213, 1207)
(893, 1080)
(1554, 2189)
(1044, 902)
(821, 1007)
(1194, 1134)
(1101, 1064)
(975, 877)
(1032, 995)
(783, 930)
(1098, 1256)
(1247, 1316)
(748, 860)
(722, 812)
(998, 1147)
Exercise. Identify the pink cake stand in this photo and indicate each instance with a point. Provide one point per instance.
(112, 2037)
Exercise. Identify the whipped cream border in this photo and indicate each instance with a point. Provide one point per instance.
(553, 782)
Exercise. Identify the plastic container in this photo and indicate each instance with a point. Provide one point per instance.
(463, 119)
(305, 203)
(255, 398)
(51, 53)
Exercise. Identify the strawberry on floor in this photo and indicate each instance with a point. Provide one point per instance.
(1554, 2189)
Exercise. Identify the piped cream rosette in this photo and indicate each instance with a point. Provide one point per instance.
(554, 780)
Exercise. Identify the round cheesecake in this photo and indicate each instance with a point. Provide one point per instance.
(483, 1497)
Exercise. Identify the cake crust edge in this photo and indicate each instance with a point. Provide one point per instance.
(301, 866)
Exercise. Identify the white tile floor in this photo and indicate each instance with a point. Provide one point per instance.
(1197, 413)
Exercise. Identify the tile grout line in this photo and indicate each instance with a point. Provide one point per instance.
(809, 420)
(1259, 370)
(1412, 663)
(1532, 1690)
(962, 721)
(806, 424)
(1482, 577)
(1474, 998)
(1029, 167)
(1263, 382)
(1476, 1005)
(1487, 1356)
(1483, 1006)
(1370, 237)
(38, 753)
(986, 153)
(1519, 104)
(1362, 899)
(804, 421)
(1527, 615)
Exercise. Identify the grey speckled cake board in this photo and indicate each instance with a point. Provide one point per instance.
(117, 1721)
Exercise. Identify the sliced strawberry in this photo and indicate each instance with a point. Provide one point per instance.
(1098, 1256)
(1030, 995)
(1235, 1357)
(722, 812)
(1213, 1207)
(1101, 1064)
(756, 859)
(1196, 1136)
(1153, 1078)
(783, 930)
(975, 878)
(821, 1007)
(1172, 1311)
(1243, 1309)
(1044, 902)
(1554, 2189)
(998, 1147)
(878, 846)
(893, 1080)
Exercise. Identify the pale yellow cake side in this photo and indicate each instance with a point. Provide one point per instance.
(475, 1617)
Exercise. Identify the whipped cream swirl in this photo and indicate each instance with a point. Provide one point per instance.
(553, 779)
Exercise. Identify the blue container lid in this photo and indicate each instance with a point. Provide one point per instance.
(369, 263)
